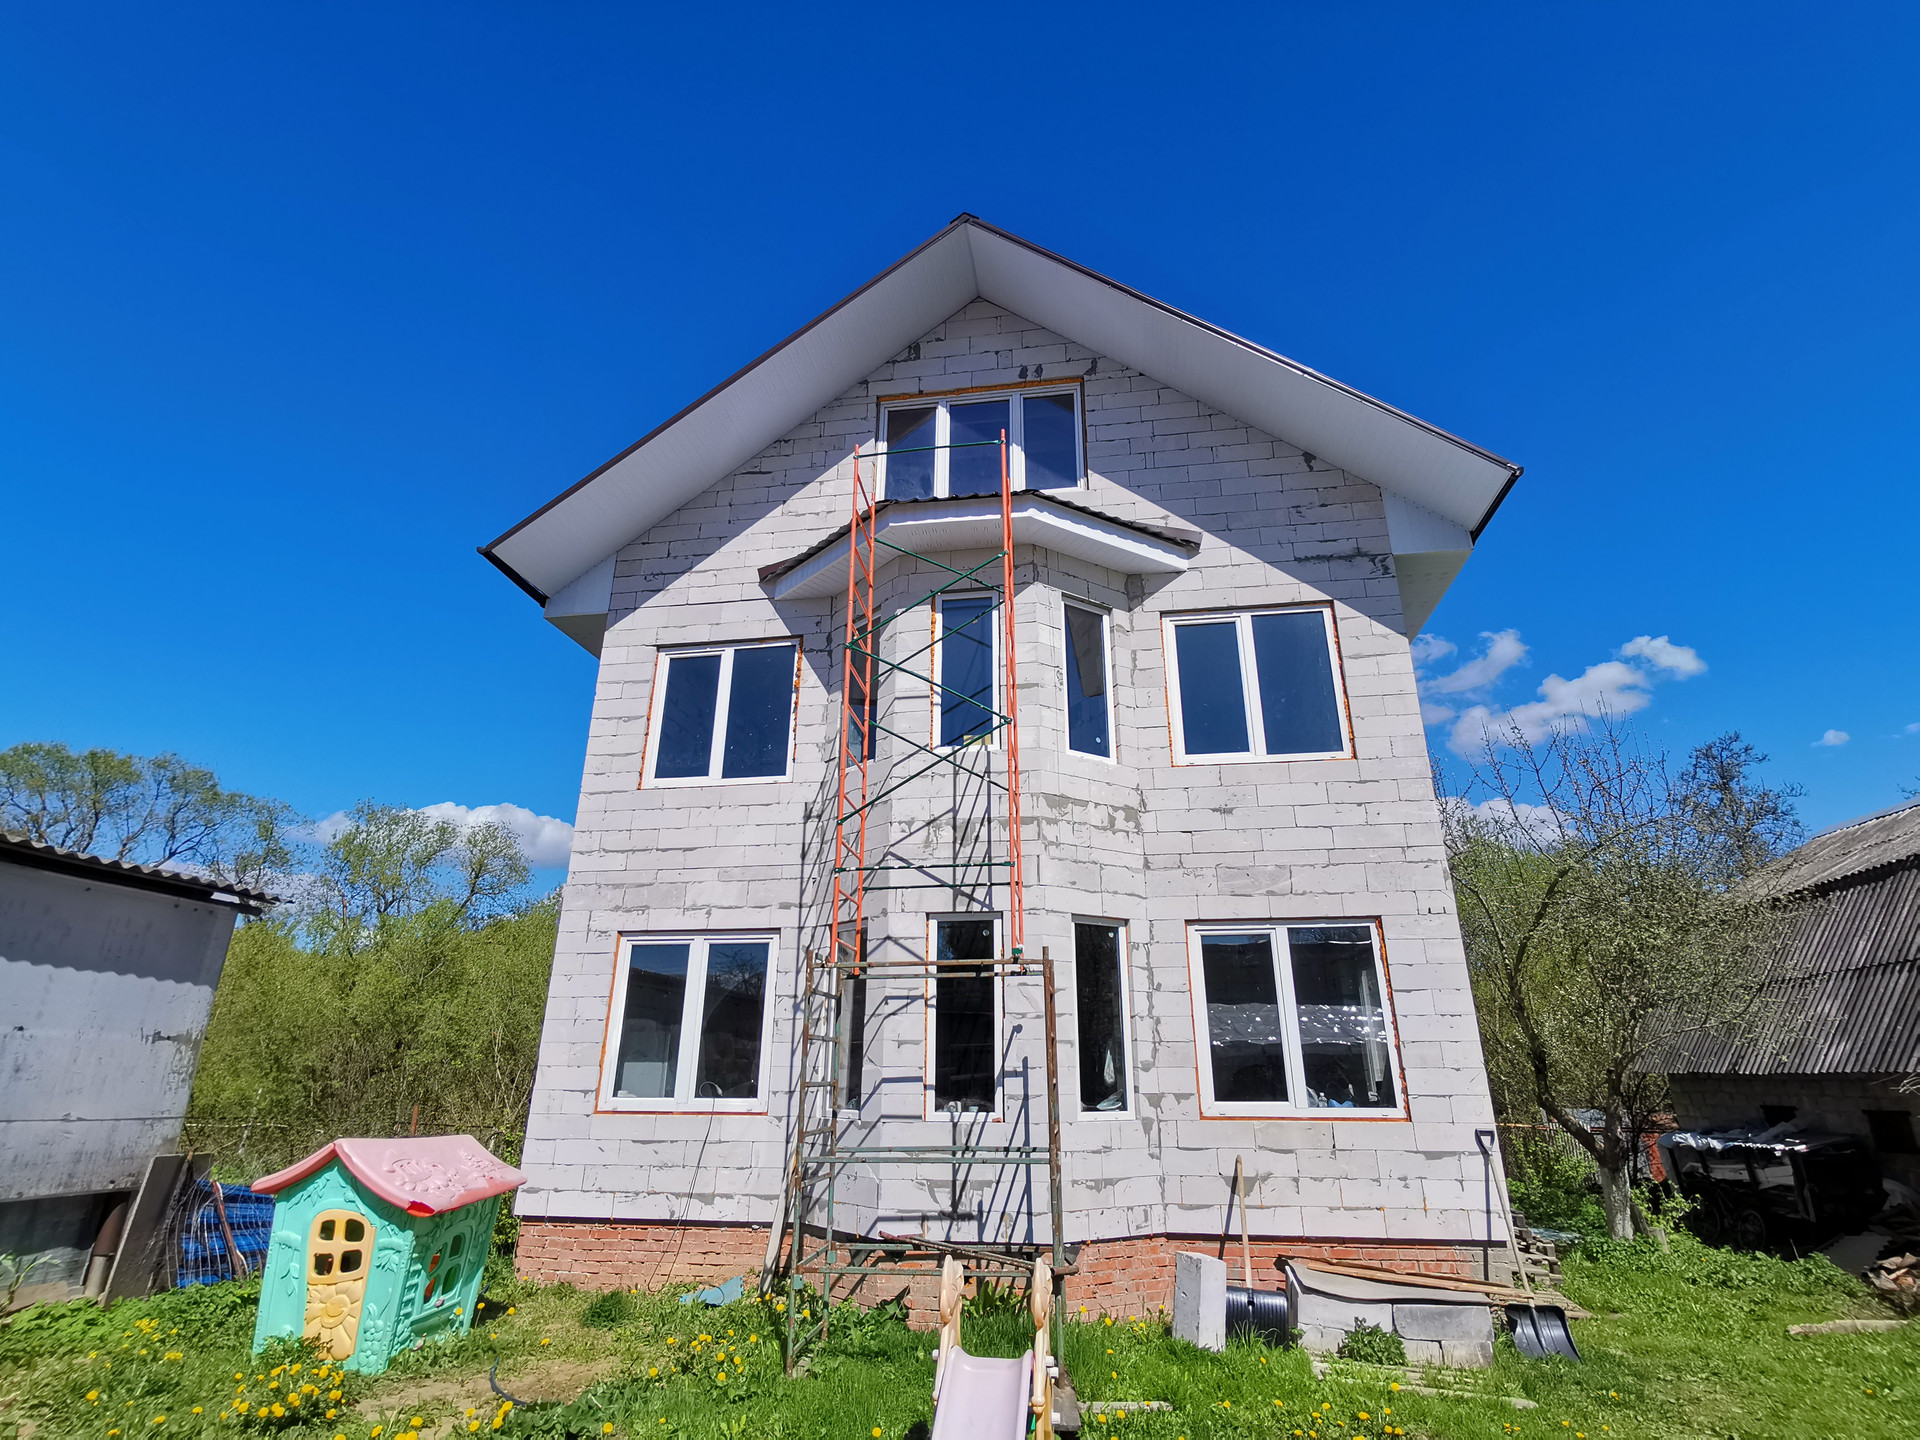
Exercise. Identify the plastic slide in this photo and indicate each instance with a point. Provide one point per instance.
(977, 1398)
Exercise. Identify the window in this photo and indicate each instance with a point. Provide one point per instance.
(689, 1023)
(723, 714)
(1892, 1132)
(850, 1030)
(1089, 712)
(945, 447)
(963, 669)
(1254, 686)
(1100, 1006)
(964, 1060)
(863, 699)
(1294, 1018)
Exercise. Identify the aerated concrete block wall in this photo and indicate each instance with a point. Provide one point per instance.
(1134, 840)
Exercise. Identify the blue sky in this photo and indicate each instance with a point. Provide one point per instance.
(298, 308)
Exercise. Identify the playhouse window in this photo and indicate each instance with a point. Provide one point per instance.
(948, 446)
(1259, 685)
(326, 1229)
(1100, 1006)
(690, 1017)
(350, 1261)
(323, 1262)
(354, 1230)
(965, 1059)
(723, 714)
(1089, 709)
(1294, 1018)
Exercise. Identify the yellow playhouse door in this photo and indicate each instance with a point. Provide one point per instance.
(338, 1247)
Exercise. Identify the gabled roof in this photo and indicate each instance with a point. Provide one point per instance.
(19, 850)
(423, 1175)
(570, 535)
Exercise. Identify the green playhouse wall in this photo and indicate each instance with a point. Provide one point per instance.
(393, 1317)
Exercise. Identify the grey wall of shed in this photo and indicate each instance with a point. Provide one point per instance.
(1836, 1103)
(106, 996)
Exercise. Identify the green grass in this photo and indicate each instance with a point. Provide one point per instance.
(1691, 1344)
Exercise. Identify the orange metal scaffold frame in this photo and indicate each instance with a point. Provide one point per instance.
(821, 1147)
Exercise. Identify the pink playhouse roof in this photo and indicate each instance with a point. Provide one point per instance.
(424, 1175)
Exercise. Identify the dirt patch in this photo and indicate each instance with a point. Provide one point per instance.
(560, 1380)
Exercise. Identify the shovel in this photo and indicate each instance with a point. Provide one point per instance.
(1538, 1330)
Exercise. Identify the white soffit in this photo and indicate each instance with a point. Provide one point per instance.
(1455, 481)
(941, 527)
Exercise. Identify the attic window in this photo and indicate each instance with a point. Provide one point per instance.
(939, 447)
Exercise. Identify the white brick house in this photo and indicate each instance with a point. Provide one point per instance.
(1221, 558)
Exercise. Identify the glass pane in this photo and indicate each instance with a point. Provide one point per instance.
(1343, 1019)
(863, 714)
(730, 1014)
(1213, 706)
(326, 1229)
(649, 1055)
(350, 1261)
(850, 1024)
(759, 712)
(966, 670)
(355, 1230)
(963, 1058)
(686, 716)
(973, 464)
(1096, 988)
(1087, 682)
(1297, 705)
(1243, 1018)
(910, 474)
(1050, 441)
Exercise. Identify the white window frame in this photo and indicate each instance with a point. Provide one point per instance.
(722, 701)
(1127, 1111)
(938, 668)
(1105, 616)
(687, 1067)
(1016, 431)
(1295, 1107)
(997, 977)
(1250, 687)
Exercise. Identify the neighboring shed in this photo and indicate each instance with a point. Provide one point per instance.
(1841, 1033)
(108, 971)
(379, 1245)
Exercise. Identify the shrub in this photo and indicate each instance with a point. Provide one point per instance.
(1371, 1345)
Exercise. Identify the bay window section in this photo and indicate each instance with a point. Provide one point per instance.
(1293, 1018)
(723, 714)
(1089, 711)
(963, 669)
(688, 1027)
(964, 1060)
(1259, 685)
(1100, 1011)
(948, 446)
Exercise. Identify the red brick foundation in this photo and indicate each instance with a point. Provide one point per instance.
(1114, 1277)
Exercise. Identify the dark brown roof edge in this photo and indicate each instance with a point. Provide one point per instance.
(782, 567)
(19, 850)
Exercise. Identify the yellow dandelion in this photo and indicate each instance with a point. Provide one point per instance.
(546, 1340)
(607, 1428)
(876, 1432)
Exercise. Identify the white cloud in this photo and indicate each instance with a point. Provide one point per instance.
(1913, 729)
(1609, 688)
(1540, 823)
(1663, 654)
(545, 841)
(1429, 647)
(1501, 653)
(1432, 713)
(1834, 738)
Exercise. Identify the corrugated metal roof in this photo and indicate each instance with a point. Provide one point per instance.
(22, 851)
(1855, 848)
(1842, 993)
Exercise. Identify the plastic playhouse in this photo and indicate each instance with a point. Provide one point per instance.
(379, 1245)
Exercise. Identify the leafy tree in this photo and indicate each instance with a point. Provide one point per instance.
(389, 863)
(147, 810)
(1604, 904)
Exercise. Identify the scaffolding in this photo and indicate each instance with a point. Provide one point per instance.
(824, 1254)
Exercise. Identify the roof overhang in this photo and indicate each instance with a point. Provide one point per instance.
(1440, 475)
(930, 527)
